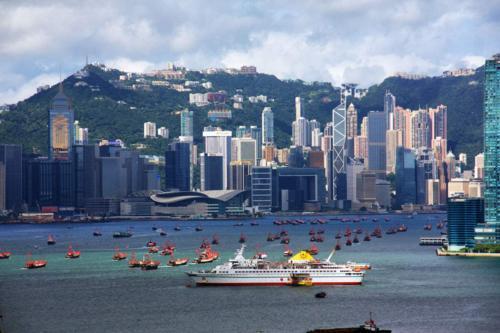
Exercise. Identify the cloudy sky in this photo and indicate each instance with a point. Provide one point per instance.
(343, 40)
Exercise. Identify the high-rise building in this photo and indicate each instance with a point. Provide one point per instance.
(262, 188)
(352, 121)
(301, 132)
(360, 147)
(364, 127)
(85, 161)
(11, 177)
(353, 168)
(187, 123)
(439, 122)
(149, 130)
(490, 232)
(267, 125)
(178, 166)
(336, 172)
(240, 175)
(427, 168)
(256, 134)
(61, 121)
(376, 143)
(432, 192)
(479, 166)
(421, 134)
(394, 139)
(210, 172)
(464, 214)
(462, 157)
(316, 137)
(389, 107)
(163, 132)
(406, 183)
(218, 141)
(299, 108)
(244, 149)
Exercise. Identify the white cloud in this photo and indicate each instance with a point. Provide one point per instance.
(25, 90)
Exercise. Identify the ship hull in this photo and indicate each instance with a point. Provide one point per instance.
(208, 279)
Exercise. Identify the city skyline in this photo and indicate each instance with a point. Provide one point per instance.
(336, 53)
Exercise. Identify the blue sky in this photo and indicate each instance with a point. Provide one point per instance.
(357, 41)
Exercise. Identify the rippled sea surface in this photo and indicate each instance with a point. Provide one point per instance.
(409, 289)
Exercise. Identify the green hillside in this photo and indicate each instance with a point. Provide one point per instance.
(112, 112)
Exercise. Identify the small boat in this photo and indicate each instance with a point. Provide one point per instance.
(204, 244)
(428, 227)
(337, 246)
(117, 256)
(162, 232)
(402, 228)
(347, 232)
(348, 242)
(72, 254)
(374, 220)
(198, 228)
(288, 252)
(122, 234)
(270, 237)
(338, 235)
(177, 262)
(242, 239)
(215, 240)
(320, 231)
(238, 225)
(391, 231)
(148, 264)
(206, 256)
(312, 238)
(97, 233)
(150, 244)
(312, 232)
(5, 255)
(51, 240)
(283, 233)
(321, 294)
(355, 240)
(320, 238)
(177, 228)
(285, 240)
(33, 264)
(313, 250)
(253, 224)
(386, 219)
(367, 238)
(133, 262)
(154, 228)
(153, 249)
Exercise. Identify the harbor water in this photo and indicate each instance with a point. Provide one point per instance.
(409, 288)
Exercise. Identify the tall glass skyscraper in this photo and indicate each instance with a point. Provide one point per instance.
(267, 125)
(60, 127)
(186, 123)
(490, 232)
(389, 106)
(376, 143)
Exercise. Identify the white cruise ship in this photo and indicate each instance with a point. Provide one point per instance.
(301, 269)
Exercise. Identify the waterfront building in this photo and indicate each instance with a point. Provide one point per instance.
(383, 193)
(178, 166)
(267, 126)
(479, 166)
(211, 172)
(61, 121)
(406, 186)
(365, 188)
(389, 107)
(352, 122)
(464, 214)
(394, 139)
(353, 168)
(376, 143)
(296, 157)
(432, 197)
(458, 187)
(218, 141)
(240, 175)
(262, 188)
(11, 177)
(85, 161)
(301, 189)
(149, 130)
(187, 123)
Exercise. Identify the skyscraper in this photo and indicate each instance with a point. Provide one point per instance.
(394, 139)
(352, 121)
(178, 166)
(406, 177)
(389, 106)
(186, 123)
(61, 120)
(299, 108)
(490, 232)
(267, 125)
(218, 141)
(149, 130)
(211, 172)
(256, 134)
(11, 177)
(421, 129)
(336, 169)
(376, 143)
(301, 132)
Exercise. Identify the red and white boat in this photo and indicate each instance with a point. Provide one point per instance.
(240, 271)
(119, 255)
(207, 255)
(5, 255)
(313, 250)
(177, 261)
(33, 264)
(51, 240)
(288, 252)
(148, 264)
(133, 261)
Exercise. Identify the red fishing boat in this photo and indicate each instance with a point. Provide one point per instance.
(168, 249)
(32, 264)
(288, 252)
(177, 262)
(338, 235)
(150, 244)
(312, 232)
(285, 240)
(319, 238)
(51, 240)
(117, 256)
(347, 232)
(72, 253)
(242, 239)
(133, 261)
(348, 242)
(367, 237)
(148, 264)
(153, 249)
(313, 250)
(337, 246)
(5, 255)
(206, 256)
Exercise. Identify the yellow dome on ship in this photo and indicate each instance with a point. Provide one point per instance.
(302, 256)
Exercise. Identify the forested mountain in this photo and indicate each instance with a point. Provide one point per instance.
(113, 111)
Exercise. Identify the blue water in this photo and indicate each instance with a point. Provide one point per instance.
(409, 289)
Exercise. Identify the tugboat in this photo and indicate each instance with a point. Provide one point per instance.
(133, 262)
(148, 264)
(5, 255)
(117, 256)
(242, 239)
(288, 252)
(206, 256)
(97, 233)
(313, 250)
(51, 240)
(337, 246)
(348, 242)
(177, 262)
(122, 234)
(72, 254)
(215, 240)
(33, 264)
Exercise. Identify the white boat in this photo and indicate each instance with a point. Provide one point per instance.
(240, 271)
